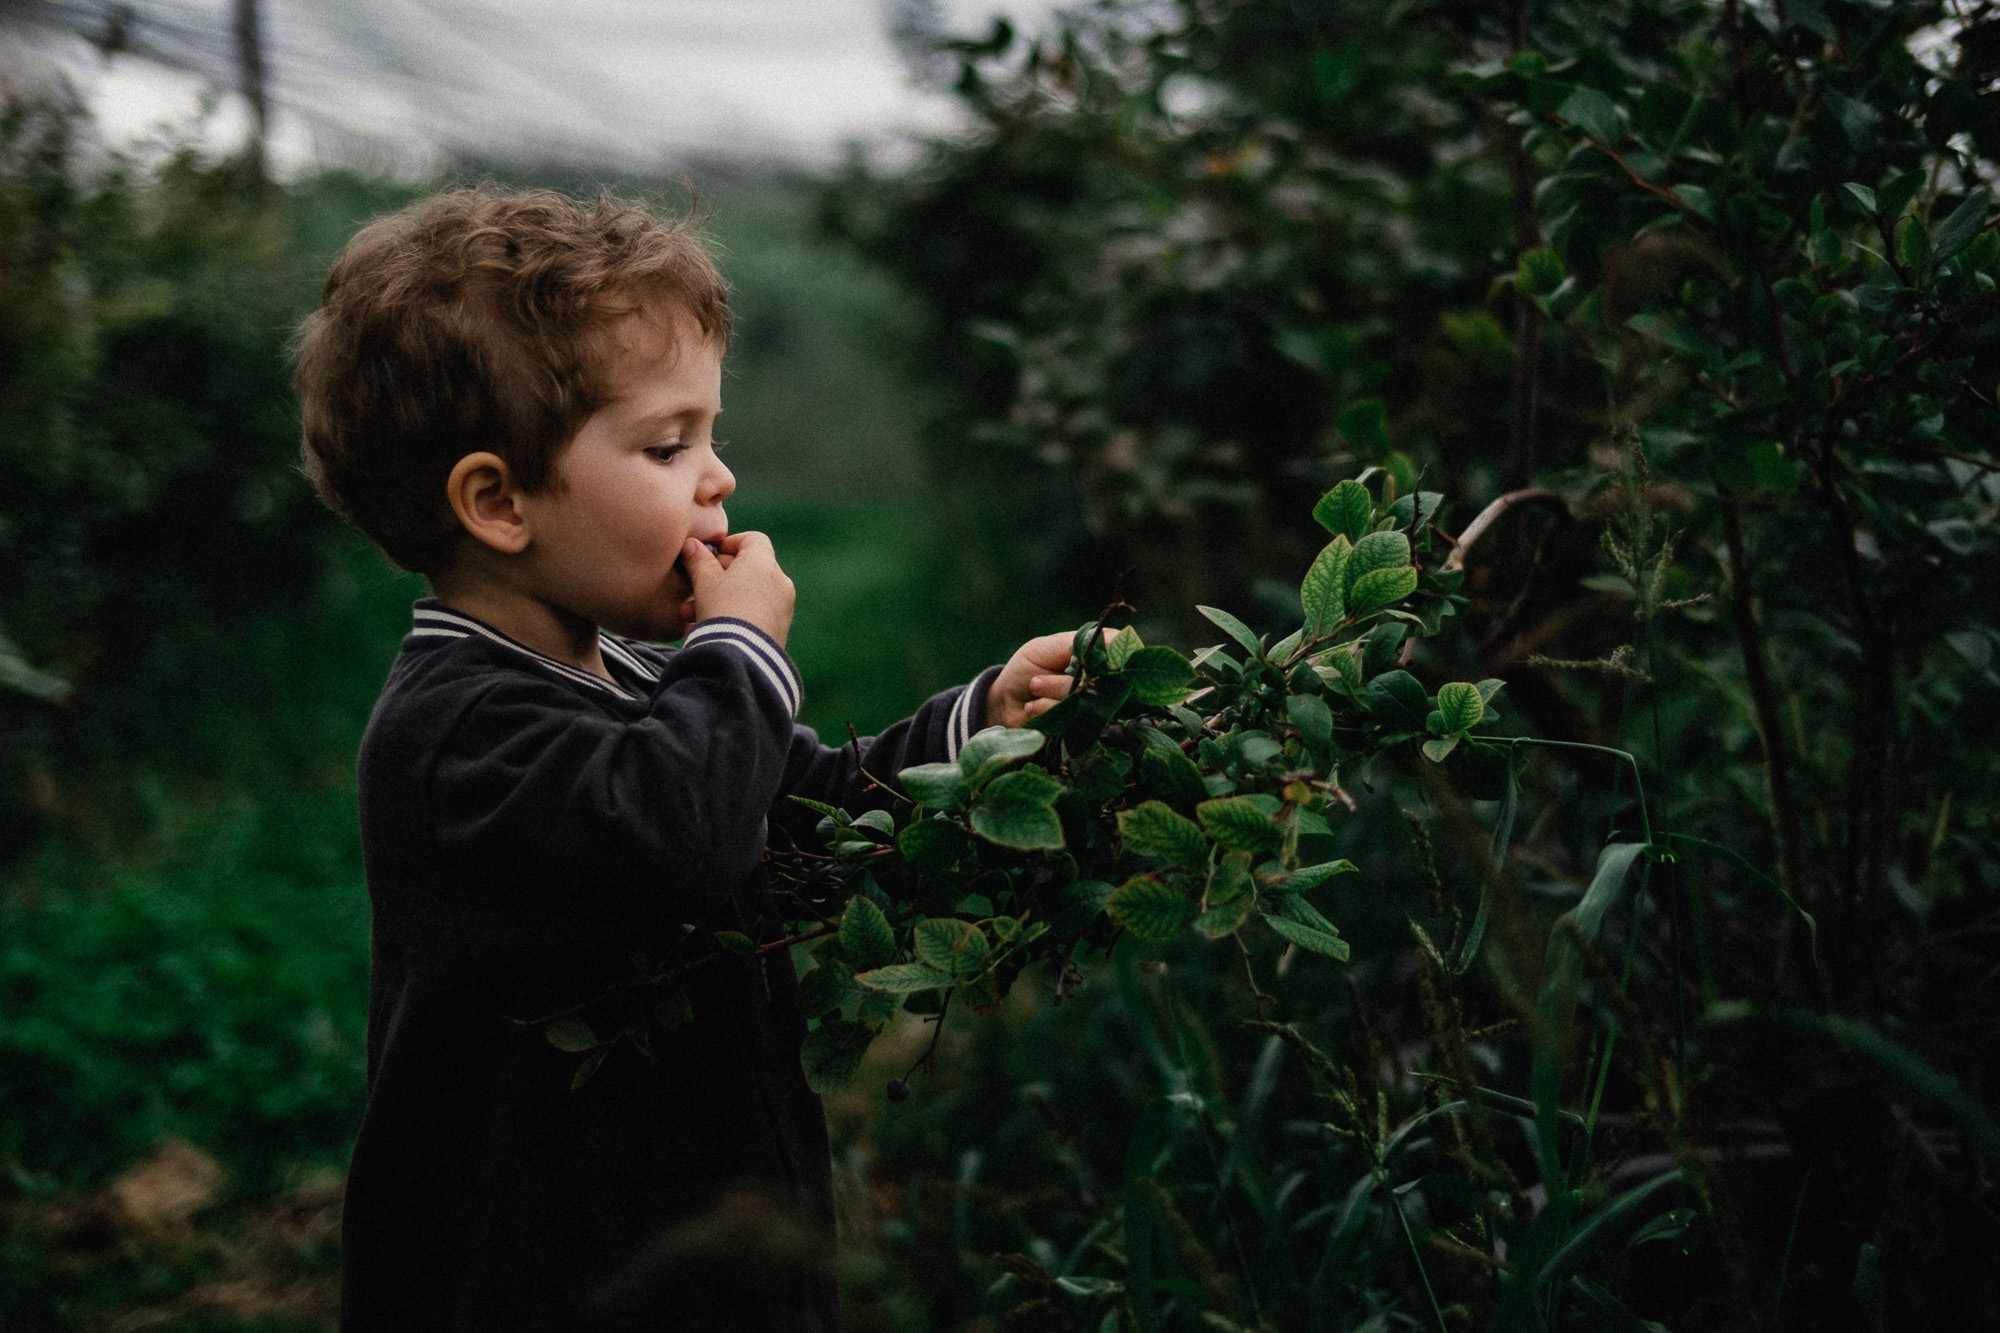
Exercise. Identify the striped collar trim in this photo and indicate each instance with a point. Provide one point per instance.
(434, 620)
(766, 657)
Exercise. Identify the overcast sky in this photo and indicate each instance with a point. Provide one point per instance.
(639, 81)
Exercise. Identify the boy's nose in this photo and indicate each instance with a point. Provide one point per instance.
(721, 483)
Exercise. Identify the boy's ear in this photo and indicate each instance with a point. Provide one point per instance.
(488, 502)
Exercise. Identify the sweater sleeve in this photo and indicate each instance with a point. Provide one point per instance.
(537, 783)
(833, 773)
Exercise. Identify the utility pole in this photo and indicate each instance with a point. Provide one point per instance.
(250, 81)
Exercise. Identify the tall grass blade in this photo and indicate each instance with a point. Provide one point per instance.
(1145, 1230)
(1558, 1005)
(1615, 1317)
(1902, 1065)
(1503, 837)
(1604, 1226)
(1348, 1224)
(1737, 862)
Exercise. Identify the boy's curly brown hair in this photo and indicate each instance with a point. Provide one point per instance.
(471, 321)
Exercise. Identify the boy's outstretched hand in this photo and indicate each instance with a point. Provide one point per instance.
(744, 582)
(1032, 681)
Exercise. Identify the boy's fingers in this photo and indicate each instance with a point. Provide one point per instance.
(1050, 687)
(747, 543)
(1049, 652)
(1036, 707)
(698, 560)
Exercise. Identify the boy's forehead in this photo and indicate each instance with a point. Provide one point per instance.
(650, 336)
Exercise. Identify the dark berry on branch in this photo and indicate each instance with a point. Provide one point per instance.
(899, 1091)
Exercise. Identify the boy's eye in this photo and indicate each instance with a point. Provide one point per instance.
(666, 452)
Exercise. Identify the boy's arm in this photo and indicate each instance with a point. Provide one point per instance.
(835, 773)
(1031, 682)
(534, 777)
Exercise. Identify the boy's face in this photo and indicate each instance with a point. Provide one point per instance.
(640, 478)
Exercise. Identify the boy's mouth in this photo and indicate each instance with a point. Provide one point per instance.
(686, 583)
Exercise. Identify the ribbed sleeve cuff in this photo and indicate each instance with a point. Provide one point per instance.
(767, 659)
(968, 713)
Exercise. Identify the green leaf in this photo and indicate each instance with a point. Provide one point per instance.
(903, 979)
(1593, 113)
(1323, 591)
(1539, 272)
(1857, 119)
(570, 1033)
(1313, 719)
(1078, 905)
(951, 945)
(1398, 698)
(997, 746)
(588, 1069)
(940, 786)
(1227, 901)
(1372, 592)
(1314, 941)
(1913, 243)
(1152, 829)
(1668, 332)
(1018, 810)
(1123, 644)
(831, 1054)
(1235, 821)
(1173, 776)
(828, 987)
(1311, 877)
(1159, 676)
(736, 942)
(1378, 550)
(1150, 910)
(881, 821)
(1295, 908)
(821, 808)
(1165, 769)
(671, 1007)
(1462, 706)
(1346, 511)
(1365, 425)
(1341, 670)
(1863, 197)
(865, 934)
(1956, 232)
(934, 845)
(1256, 748)
(1235, 629)
(1439, 748)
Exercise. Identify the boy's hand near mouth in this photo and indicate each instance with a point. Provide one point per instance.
(740, 579)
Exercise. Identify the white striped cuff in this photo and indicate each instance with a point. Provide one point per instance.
(764, 655)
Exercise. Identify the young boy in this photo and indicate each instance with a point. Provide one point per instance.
(515, 396)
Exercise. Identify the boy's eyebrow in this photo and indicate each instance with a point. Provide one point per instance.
(666, 415)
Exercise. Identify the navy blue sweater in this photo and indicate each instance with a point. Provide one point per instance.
(529, 830)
